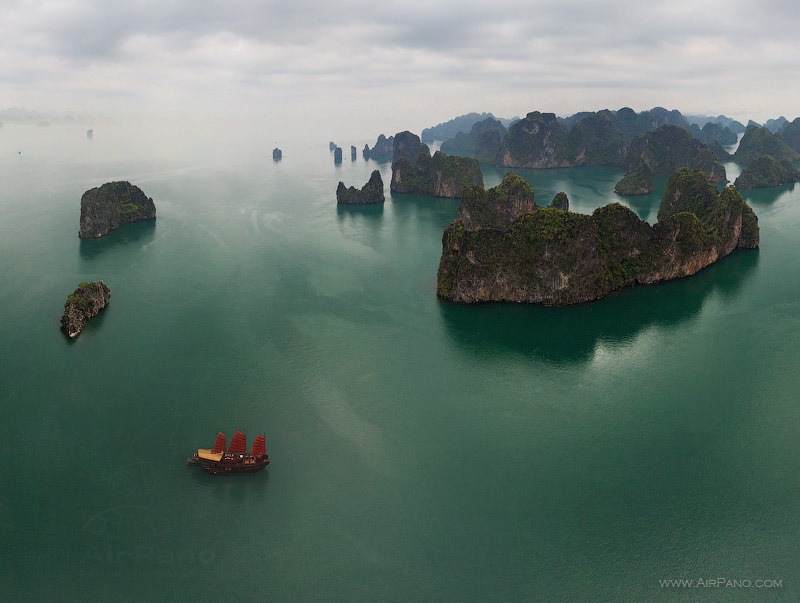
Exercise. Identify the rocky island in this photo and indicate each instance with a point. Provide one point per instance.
(482, 142)
(382, 151)
(663, 151)
(277, 154)
(502, 247)
(83, 304)
(415, 171)
(759, 141)
(109, 206)
(767, 172)
(645, 143)
(371, 192)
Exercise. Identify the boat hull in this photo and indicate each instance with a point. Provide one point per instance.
(231, 464)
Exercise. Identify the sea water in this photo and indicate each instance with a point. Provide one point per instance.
(421, 451)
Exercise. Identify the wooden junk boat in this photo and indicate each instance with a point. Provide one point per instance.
(218, 462)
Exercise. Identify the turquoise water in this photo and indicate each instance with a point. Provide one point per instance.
(421, 451)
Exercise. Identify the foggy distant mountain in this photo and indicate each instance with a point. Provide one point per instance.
(462, 123)
(774, 125)
(728, 122)
(17, 115)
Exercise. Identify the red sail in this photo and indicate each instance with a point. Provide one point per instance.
(219, 443)
(238, 443)
(259, 446)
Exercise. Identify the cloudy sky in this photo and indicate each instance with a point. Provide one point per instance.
(367, 67)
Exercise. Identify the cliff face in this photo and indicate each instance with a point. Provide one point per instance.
(415, 171)
(371, 192)
(537, 141)
(790, 133)
(597, 140)
(82, 304)
(111, 205)
(663, 151)
(499, 206)
(560, 201)
(482, 142)
(766, 172)
(554, 257)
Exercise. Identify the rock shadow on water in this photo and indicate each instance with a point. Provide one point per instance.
(435, 211)
(92, 326)
(139, 233)
(569, 335)
(371, 213)
(766, 196)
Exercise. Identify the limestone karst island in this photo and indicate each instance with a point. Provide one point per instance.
(502, 247)
(370, 193)
(82, 305)
(109, 206)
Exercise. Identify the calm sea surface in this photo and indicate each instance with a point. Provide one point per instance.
(420, 451)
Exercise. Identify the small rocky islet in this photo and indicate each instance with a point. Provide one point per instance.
(370, 193)
(767, 172)
(83, 304)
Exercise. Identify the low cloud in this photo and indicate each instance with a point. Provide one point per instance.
(363, 63)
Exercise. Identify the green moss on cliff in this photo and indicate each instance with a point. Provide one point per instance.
(636, 182)
(554, 257)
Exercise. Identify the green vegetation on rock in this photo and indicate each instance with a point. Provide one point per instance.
(663, 151)
(758, 141)
(537, 141)
(112, 205)
(790, 134)
(560, 201)
(415, 171)
(766, 172)
(493, 252)
(597, 140)
(638, 181)
(83, 304)
(498, 206)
